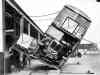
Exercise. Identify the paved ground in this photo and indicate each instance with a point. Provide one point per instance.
(88, 62)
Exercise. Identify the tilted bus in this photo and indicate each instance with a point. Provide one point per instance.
(64, 35)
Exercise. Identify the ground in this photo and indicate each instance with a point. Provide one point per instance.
(87, 64)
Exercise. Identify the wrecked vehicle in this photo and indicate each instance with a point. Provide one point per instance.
(64, 35)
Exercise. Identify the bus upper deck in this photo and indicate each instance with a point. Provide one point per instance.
(18, 24)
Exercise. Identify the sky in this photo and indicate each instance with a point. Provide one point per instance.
(43, 7)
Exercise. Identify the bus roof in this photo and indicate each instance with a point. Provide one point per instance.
(78, 11)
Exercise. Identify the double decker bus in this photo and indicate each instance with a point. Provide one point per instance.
(21, 33)
(64, 35)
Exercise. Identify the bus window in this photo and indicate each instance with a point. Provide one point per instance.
(25, 30)
(53, 44)
(33, 32)
(79, 31)
(69, 25)
(55, 33)
(9, 21)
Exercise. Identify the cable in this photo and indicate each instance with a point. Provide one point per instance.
(46, 14)
(43, 19)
